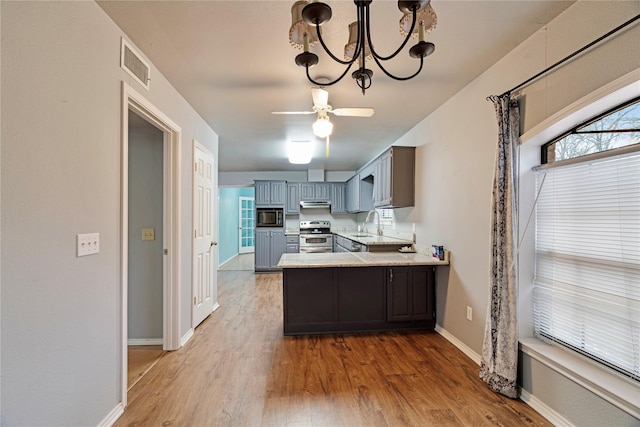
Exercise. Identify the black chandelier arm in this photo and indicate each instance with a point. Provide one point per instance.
(396, 77)
(404, 43)
(326, 49)
(328, 83)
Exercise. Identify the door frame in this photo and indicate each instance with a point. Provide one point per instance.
(132, 100)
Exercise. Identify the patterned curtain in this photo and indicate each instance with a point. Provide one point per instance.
(499, 368)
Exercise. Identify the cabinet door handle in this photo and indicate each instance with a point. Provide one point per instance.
(391, 275)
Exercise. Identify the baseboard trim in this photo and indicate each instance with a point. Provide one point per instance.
(554, 418)
(186, 337)
(459, 344)
(145, 341)
(113, 416)
(215, 307)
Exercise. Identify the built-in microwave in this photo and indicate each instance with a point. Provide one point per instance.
(269, 217)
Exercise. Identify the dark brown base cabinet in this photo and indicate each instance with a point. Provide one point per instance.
(358, 299)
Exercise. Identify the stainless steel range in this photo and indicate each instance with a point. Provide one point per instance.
(315, 236)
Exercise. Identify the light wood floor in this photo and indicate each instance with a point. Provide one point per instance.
(140, 359)
(239, 370)
(240, 262)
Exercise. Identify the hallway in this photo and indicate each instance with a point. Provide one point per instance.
(239, 370)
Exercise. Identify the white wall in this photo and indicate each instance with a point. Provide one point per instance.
(60, 174)
(454, 167)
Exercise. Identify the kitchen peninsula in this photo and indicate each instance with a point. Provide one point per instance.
(358, 291)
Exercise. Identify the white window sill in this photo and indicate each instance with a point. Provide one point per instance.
(615, 390)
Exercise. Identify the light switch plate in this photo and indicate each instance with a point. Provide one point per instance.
(148, 234)
(88, 244)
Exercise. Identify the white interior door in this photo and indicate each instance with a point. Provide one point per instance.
(247, 221)
(205, 247)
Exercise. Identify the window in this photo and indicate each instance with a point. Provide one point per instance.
(617, 128)
(587, 273)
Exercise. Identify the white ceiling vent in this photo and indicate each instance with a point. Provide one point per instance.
(132, 63)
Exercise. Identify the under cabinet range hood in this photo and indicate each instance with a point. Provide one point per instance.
(318, 204)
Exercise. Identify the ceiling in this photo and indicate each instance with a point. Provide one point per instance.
(231, 60)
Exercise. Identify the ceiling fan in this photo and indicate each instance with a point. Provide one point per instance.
(323, 127)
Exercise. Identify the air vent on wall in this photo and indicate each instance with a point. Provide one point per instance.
(132, 63)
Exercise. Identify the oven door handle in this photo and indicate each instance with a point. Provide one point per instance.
(315, 249)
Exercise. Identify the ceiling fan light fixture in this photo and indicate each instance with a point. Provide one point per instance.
(322, 127)
(300, 152)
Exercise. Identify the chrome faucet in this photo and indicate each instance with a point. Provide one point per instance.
(379, 230)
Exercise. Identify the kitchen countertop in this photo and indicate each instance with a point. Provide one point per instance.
(356, 259)
(372, 239)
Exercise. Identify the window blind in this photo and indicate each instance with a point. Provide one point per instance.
(587, 275)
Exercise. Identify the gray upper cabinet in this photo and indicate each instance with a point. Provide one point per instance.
(270, 193)
(353, 194)
(359, 194)
(394, 178)
(293, 199)
(338, 198)
(315, 191)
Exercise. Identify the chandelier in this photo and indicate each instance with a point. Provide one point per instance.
(306, 31)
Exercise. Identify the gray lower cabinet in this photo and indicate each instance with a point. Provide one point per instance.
(354, 299)
(293, 244)
(269, 247)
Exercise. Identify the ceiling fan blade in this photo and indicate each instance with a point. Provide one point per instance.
(293, 112)
(320, 97)
(353, 112)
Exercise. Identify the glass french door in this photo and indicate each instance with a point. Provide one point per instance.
(247, 226)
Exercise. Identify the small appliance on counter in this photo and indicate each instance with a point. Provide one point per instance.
(437, 251)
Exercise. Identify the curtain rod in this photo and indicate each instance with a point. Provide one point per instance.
(577, 52)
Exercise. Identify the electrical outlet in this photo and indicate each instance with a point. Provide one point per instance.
(469, 314)
(88, 244)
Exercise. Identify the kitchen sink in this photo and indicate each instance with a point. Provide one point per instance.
(360, 235)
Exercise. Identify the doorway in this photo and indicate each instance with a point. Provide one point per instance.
(236, 224)
(145, 247)
(157, 229)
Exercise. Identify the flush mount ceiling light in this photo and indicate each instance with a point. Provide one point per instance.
(300, 152)
(307, 18)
